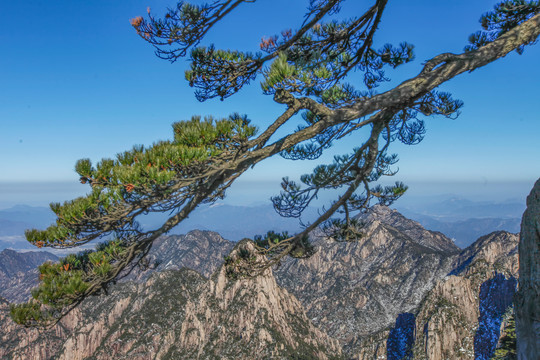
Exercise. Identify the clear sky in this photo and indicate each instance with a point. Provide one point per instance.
(76, 81)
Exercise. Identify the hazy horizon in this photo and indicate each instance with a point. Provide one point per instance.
(253, 193)
(74, 90)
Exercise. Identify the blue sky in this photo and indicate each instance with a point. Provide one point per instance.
(76, 81)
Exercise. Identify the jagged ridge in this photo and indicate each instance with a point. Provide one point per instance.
(356, 292)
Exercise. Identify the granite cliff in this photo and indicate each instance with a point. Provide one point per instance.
(527, 304)
(397, 291)
(461, 317)
(354, 289)
(178, 314)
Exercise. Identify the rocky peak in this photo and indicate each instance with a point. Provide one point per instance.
(357, 288)
(431, 239)
(13, 262)
(202, 251)
(18, 272)
(180, 314)
(498, 250)
(267, 318)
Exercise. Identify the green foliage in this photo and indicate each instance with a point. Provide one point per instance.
(220, 73)
(325, 54)
(342, 231)
(272, 242)
(295, 198)
(302, 249)
(505, 16)
(507, 349)
(65, 282)
(29, 313)
(59, 284)
(341, 94)
(319, 54)
(282, 75)
(270, 239)
(214, 135)
(240, 263)
(139, 174)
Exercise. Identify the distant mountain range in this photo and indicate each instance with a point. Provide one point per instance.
(14, 221)
(464, 220)
(457, 209)
(460, 219)
(396, 292)
(465, 232)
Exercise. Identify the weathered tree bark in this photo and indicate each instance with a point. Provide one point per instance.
(528, 296)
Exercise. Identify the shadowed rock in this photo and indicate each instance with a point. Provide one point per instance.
(527, 300)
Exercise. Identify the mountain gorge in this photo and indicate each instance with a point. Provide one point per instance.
(397, 291)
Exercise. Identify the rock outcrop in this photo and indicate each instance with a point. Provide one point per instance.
(398, 291)
(461, 317)
(18, 273)
(353, 290)
(179, 314)
(19, 343)
(527, 301)
(202, 251)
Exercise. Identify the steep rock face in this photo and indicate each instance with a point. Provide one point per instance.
(527, 304)
(179, 315)
(355, 289)
(18, 273)
(461, 317)
(373, 346)
(495, 296)
(492, 249)
(19, 343)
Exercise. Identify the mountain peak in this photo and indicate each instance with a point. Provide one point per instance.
(498, 249)
(179, 314)
(200, 250)
(430, 239)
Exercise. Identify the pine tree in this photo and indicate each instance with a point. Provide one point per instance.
(305, 70)
(507, 343)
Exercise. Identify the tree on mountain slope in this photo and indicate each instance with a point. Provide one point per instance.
(305, 70)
